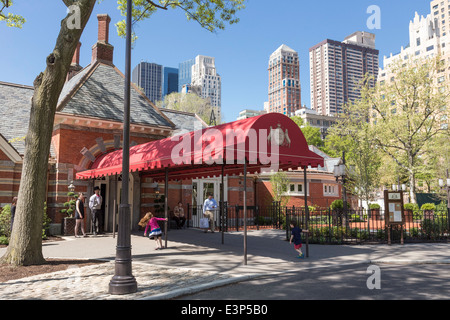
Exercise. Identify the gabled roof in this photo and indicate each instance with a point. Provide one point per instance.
(15, 105)
(98, 90)
(9, 150)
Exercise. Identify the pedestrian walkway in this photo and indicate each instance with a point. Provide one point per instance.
(196, 261)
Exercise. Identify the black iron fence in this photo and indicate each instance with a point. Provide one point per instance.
(332, 226)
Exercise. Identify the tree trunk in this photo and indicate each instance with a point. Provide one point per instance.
(412, 189)
(25, 247)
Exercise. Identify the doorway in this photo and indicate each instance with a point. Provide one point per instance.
(201, 189)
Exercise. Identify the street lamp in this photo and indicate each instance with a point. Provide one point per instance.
(340, 172)
(71, 187)
(123, 281)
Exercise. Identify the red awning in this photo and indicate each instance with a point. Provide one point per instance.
(268, 142)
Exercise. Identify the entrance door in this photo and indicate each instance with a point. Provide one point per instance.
(103, 185)
(202, 188)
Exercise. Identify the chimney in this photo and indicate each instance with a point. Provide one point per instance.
(75, 65)
(102, 51)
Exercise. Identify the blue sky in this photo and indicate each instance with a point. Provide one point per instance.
(242, 51)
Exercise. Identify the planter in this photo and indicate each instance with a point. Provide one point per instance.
(409, 216)
(375, 214)
(69, 226)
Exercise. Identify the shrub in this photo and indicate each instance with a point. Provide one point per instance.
(337, 204)
(374, 206)
(414, 207)
(434, 229)
(4, 240)
(5, 221)
(428, 207)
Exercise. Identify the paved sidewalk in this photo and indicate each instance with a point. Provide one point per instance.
(196, 261)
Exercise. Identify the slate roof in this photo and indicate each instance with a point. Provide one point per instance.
(98, 90)
(184, 121)
(15, 105)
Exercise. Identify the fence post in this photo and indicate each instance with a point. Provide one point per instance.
(257, 216)
(188, 215)
(237, 217)
(287, 223)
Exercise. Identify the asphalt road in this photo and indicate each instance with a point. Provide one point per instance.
(395, 282)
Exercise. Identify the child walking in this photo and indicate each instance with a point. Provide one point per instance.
(155, 230)
(296, 237)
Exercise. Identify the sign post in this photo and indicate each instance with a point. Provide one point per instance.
(394, 215)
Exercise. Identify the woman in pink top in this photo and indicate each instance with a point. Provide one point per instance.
(155, 230)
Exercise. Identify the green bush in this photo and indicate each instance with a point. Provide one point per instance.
(434, 228)
(337, 204)
(428, 207)
(4, 240)
(5, 221)
(374, 206)
(414, 207)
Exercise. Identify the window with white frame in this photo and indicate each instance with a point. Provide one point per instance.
(330, 190)
(295, 189)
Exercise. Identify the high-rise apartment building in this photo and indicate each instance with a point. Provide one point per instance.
(205, 76)
(337, 68)
(284, 81)
(428, 38)
(149, 77)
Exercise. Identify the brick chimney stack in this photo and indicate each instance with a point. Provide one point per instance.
(75, 65)
(102, 51)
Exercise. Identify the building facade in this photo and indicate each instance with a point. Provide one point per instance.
(170, 81)
(185, 74)
(336, 69)
(205, 76)
(149, 77)
(314, 119)
(284, 81)
(247, 113)
(428, 38)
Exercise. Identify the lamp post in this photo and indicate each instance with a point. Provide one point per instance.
(71, 187)
(340, 173)
(123, 281)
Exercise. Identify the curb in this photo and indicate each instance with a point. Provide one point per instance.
(202, 287)
(410, 262)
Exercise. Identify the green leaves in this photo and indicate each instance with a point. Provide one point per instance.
(11, 20)
(210, 14)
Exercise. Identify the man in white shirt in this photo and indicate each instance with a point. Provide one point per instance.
(95, 204)
(209, 207)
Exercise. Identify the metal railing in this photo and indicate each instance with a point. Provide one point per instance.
(328, 226)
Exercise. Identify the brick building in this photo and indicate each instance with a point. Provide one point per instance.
(88, 126)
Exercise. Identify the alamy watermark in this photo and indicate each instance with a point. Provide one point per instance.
(374, 280)
(374, 21)
(74, 19)
(231, 146)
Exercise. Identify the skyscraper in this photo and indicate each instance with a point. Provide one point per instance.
(205, 76)
(336, 69)
(170, 81)
(149, 77)
(284, 81)
(428, 38)
(185, 73)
